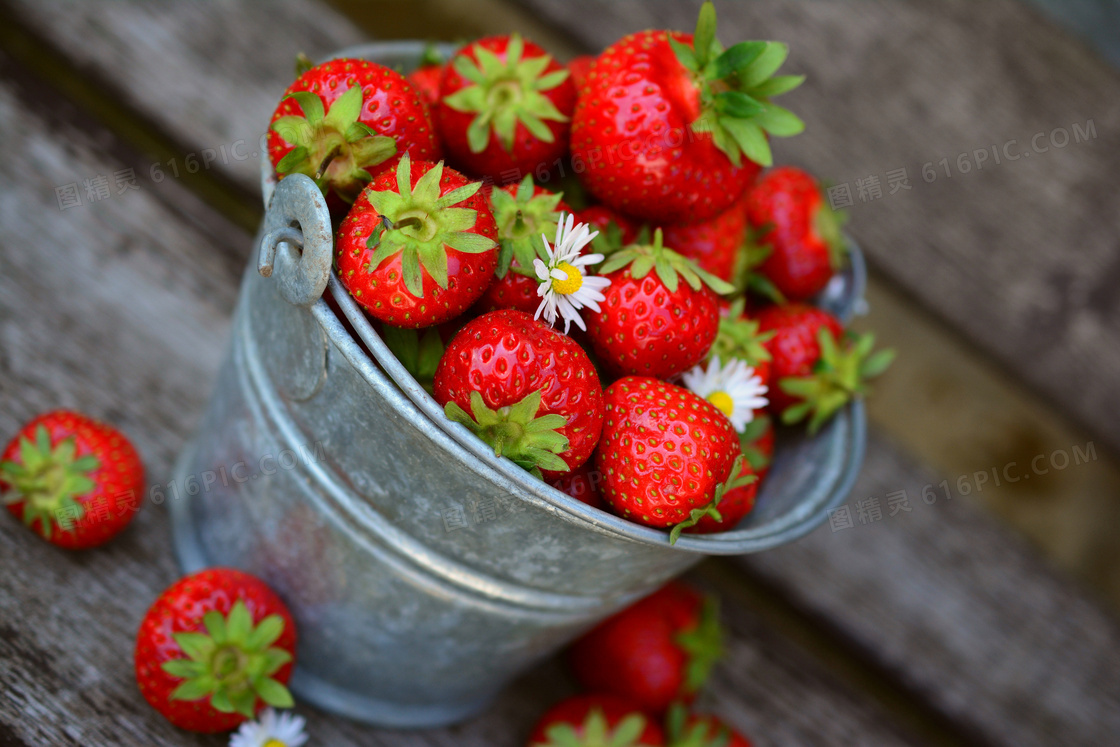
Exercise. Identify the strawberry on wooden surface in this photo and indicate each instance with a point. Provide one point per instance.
(672, 128)
(75, 481)
(660, 314)
(505, 108)
(524, 214)
(525, 389)
(418, 247)
(792, 219)
(346, 121)
(214, 649)
(658, 651)
(596, 721)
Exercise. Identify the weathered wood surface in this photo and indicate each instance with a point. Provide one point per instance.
(208, 73)
(1022, 255)
(120, 308)
(959, 611)
(153, 383)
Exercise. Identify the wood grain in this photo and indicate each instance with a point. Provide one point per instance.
(1022, 256)
(120, 308)
(959, 611)
(207, 73)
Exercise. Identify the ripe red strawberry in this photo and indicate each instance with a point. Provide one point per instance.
(694, 730)
(735, 504)
(346, 121)
(530, 391)
(667, 456)
(595, 721)
(524, 213)
(579, 68)
(788, 210)
(418, 247)
(712, 244)
(655, 652)
(650, 323)
(505, 108)
(600, 217)
(665, 119)
(215, 648)
(816, 367)
(77, 482)
(427, 75)
(739, 337)
(582, 484)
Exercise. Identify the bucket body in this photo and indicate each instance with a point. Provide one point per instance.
(423, 572)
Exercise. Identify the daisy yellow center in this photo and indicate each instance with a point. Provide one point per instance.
(274, 743)
(570, 284)
(723, 401)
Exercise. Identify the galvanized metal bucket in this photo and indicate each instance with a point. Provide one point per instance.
(423, 572)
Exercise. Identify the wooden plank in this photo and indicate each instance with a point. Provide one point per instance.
(1019, 255)
(958, 611)
(119, 307)
(209, 74)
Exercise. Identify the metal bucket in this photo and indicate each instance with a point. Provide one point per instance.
(423, 572)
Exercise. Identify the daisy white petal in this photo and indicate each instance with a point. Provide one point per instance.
(565, 287)
(270, 728)
(734, 389)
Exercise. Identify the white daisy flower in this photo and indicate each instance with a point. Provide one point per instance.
(271, 729)
(734, 389)
(565, 285)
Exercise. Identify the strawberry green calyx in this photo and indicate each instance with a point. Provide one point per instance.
(828, 224)
(522, 218)
(754, 431)
(430, 56)
(303, 63)
(48, 481)
(420, 225)
(681, 734)
(736, 85)
(418, 350)
(232, 663)
(752, 255)
(838, 377)
(596, 732)
(532, 443)
(739, 338)
(734, 480)
(703, 644)
(610, 240)
(333, 148)
(506, 93)
(670, 266)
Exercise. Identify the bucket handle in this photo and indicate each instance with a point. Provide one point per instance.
(298, 242)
